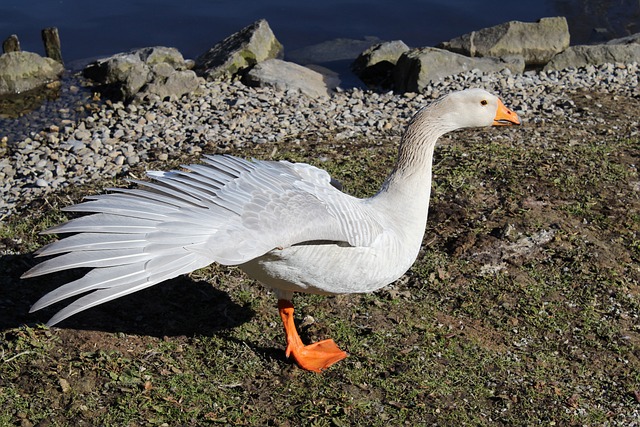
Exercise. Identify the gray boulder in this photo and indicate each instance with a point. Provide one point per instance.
(239, 52)
(24, 71)
(581, 56)
(175, 84)
(283, 75)
(634, 38)
(418, 67)
(375, 65)
(537, 42)
(162, 55)
(159, 70)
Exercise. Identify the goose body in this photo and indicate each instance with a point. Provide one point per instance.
(283, 223)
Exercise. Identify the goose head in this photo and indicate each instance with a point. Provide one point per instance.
(474, 108)
(471, 108)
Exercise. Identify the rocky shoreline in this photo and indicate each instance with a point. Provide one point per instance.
(229, 117)
(167, 112)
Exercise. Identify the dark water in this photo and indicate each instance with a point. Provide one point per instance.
(89, 29)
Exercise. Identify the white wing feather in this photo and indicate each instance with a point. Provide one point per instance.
(227, 210)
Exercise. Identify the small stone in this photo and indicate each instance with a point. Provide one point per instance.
(132, 160)
(64, 385)
(95, 145)
(82, 135)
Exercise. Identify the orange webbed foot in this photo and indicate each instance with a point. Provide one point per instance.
(313, 357)
(317, 356)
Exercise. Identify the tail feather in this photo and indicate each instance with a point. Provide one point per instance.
(233, 201)
(79, 259)
(220, 163)
(117, 276)
(149, 195)
(200, 173)
(191, 179)
(104, 295)
(171, 192)
(122, 206)
(92, 242)
(94, 279)
(177, 183)
(104, 223)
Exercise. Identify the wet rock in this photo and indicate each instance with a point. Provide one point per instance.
(11, 44)
(239, 52)
(24, 71)
(283, 76)
(375, 65)
(51, 40)
(419, 67)
(160, 71)
(537, 42)
(581, 56)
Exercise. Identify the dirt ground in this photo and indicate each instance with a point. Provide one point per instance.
(522, 308)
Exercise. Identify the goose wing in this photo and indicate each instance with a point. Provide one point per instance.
(227, 210)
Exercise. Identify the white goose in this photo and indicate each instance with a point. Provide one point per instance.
(283, 223)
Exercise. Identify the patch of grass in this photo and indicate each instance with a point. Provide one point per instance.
(549, 337)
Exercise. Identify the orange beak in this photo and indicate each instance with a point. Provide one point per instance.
(505, 117)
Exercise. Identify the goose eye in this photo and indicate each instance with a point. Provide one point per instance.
(483, 102)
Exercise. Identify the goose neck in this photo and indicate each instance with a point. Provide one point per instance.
(415, 155)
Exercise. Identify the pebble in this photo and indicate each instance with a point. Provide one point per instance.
(132, 160)
(82, 134)
(111, 138)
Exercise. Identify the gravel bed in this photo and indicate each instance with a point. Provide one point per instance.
(228, 116)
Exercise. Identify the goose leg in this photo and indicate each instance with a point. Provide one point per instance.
(312, 357)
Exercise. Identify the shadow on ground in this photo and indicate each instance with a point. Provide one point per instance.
(178, 307)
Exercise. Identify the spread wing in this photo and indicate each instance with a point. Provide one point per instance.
(227, 210)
